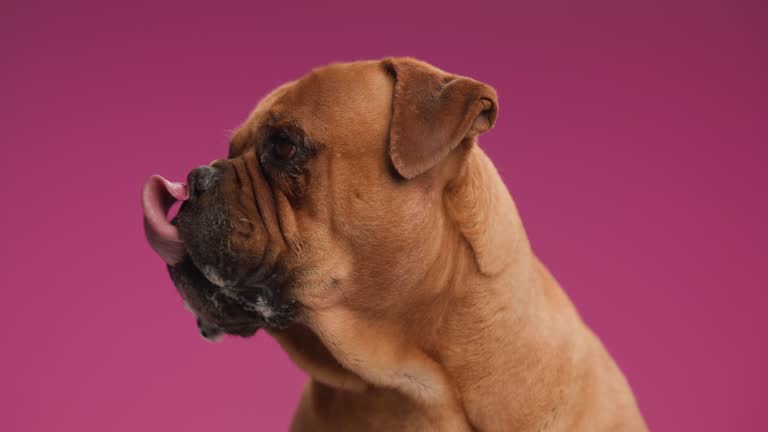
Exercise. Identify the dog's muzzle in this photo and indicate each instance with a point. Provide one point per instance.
(229, 291)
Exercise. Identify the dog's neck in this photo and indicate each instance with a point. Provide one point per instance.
(475, 317)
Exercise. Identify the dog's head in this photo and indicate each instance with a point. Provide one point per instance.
(330, 193)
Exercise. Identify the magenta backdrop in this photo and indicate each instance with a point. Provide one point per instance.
(632, 137)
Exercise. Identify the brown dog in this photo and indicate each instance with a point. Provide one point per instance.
(357, 221)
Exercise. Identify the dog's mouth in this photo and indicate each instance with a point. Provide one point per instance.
(227, 293)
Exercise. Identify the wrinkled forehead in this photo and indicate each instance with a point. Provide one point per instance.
(346, 106)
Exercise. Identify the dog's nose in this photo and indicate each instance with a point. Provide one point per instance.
(200, 179)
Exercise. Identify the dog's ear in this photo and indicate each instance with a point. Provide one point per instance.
(432, 113)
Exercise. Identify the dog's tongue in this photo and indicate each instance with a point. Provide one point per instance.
(157, 198)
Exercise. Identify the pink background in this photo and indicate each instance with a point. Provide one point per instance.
(633, 138)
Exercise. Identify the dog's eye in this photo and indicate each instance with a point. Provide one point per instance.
(283, 149)
(285, 153)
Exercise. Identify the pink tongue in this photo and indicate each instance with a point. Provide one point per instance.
(157, 197)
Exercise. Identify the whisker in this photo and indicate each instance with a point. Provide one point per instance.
(337, 283)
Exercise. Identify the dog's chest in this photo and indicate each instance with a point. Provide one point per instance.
(328, 409)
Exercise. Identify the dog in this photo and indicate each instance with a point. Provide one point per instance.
(357, 221)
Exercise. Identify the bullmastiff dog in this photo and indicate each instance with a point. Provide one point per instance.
(356, 220)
